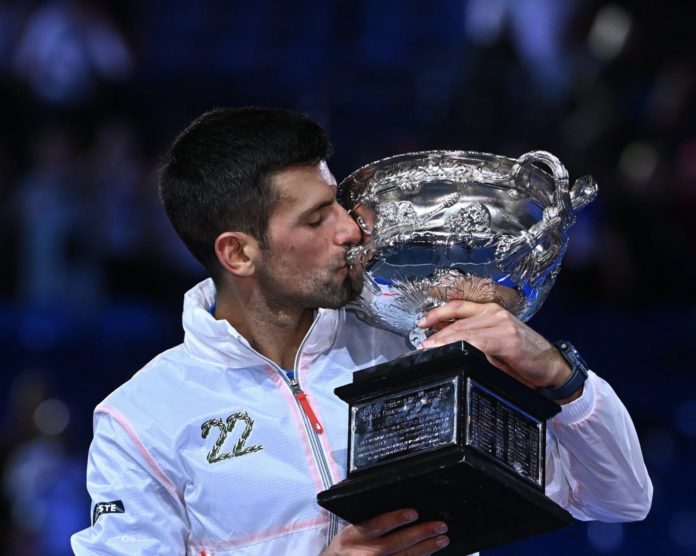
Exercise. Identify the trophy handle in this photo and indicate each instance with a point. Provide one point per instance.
(582, 193)
(563, 203)
(530, 254)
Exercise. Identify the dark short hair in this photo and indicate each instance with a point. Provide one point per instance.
(215, 176)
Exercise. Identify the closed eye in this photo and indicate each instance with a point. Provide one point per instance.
(316, 216)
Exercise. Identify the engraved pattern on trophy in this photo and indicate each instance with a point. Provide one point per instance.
(501, 431)
(471, 225)
(393, 427)
(446, 225)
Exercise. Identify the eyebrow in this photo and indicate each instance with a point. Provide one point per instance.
(318, 207)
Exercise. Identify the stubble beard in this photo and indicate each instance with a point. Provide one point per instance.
(321, 292)
(336, 297)
(327, 294)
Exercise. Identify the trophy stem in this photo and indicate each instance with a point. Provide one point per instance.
(417, 336)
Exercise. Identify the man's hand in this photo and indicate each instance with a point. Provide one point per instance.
(508, 343)
(376, 537)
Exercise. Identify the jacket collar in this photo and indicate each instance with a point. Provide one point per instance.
(218, 342)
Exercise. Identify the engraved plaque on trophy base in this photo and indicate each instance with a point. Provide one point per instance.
(445, 432)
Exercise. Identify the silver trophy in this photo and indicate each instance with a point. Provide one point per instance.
(446, 225)
(443, 430)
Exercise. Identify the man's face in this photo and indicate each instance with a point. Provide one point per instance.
(304, 265)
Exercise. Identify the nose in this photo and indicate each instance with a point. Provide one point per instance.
(348, 232)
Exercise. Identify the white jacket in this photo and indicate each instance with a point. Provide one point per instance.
(207, 450)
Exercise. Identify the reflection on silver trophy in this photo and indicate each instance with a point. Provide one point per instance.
(446, 225)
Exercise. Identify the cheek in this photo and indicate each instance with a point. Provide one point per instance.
(296, 257)
(304, 250)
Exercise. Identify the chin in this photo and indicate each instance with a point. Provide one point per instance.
(338, 298)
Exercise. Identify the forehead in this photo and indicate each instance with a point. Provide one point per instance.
(300, 187)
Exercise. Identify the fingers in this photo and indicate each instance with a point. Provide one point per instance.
(380, 537)
(452, 310)
(384, 523)
(508, 343)
(490, 340)
(487, 327)
(417, 540)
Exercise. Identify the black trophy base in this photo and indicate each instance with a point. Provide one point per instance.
(481, 504)
(446, 433)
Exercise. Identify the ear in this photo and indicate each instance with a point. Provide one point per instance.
(236, 252)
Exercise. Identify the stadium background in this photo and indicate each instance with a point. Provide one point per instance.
(91, 277)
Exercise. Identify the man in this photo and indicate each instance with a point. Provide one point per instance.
(220, 445)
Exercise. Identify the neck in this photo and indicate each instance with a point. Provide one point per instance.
(275, 332)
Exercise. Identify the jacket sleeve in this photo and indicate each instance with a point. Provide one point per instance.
(135, 507)
(594, 465)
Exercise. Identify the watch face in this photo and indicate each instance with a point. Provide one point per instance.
(572, 356)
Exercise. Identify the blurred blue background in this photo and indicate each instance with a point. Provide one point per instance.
(91, 276)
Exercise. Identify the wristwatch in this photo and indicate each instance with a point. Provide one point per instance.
(578, 373)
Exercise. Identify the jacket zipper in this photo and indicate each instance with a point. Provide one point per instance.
(301, 397)
(310, 419)
(312, 424)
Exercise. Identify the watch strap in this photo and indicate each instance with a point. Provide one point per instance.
(578, 373)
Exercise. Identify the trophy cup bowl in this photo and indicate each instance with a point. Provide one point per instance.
(446, 225)
(442, 430)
